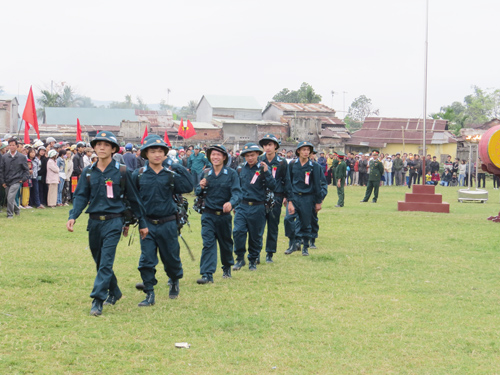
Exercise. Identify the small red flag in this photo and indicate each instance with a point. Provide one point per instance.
(26, 133)
(167, 141)
(29, 114)
(145, 134)
(78, 131)
(189, 132)
(181, 129)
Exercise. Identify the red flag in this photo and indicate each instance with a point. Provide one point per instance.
(29, 114)
(167, 141)
(181, 129)
(78, 131)
(189, 132)
(145, 134)
(26, 133)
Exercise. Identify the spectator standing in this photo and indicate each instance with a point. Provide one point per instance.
(462, 171)
(42, 174)
(52, 179)
(412, 171)
(363, 170)
(62, 176)
(434, 165)
(397, 164)
(448, 163)
(35, 162)
(355, 180)
(13, 172)
(387, 170)
(196, 164)
(481, 176)
(129, 158)
(418, 167)
(68, 170)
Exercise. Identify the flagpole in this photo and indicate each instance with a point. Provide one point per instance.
(425, 86)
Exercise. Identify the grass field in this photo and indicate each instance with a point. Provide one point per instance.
(385, 293)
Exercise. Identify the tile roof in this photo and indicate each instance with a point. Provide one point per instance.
(379, 131)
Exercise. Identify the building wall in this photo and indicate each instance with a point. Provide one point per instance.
(240, 133)
(272, 114)
(236, 114)
(435, 150)
(204, 111)
(8, 116)
(207, 135)
(280, 131)
(305, 130)
(132, 130)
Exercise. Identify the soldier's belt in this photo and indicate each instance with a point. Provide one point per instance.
(104, 217)
(248, 203)
(161, 220)
(303, 193)
(215, 212)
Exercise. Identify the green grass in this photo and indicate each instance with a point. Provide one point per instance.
(386, 292)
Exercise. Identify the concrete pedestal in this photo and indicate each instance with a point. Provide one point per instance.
(424, 198)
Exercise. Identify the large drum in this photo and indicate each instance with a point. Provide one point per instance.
(489, 150)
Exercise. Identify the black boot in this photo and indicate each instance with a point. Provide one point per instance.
(173, 292)
(226, 272)
(239, 264)
(139, 286)
(269, 258)
(305, 248)
(205, 279)
(96, 309)
(112, 299)
(149, 301)
(252, 265)
(313, 245)
(295, 247)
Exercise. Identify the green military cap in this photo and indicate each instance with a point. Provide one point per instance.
(304, 144)
(249, 147)
(375, 152)
(269, 137)
(340, 154)
(106, 137)
(220, 148)
(153, 141)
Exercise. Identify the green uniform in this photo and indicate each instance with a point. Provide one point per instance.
(376, 172)
(340, 174)
(335, 162)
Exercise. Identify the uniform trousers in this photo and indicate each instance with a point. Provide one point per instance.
(216, 229)
(162, 239)
(304, 206)
(249, 220)
(273, 222)
(372, 186)
(103, 239)
(340, 193)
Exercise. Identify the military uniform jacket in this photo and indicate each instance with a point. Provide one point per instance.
(341, 170)
(376, 170)
(279, 170)
(91, 190)
(156, 189)
(255, 192)
(324, 187)
(299, 174)
(197, 163)
(221, 188)
(335, 162)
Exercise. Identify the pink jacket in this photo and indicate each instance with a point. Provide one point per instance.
(52, 172)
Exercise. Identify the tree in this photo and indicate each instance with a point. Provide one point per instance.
(359, 109)
(1, 90)
(305, 94)
(129, 104)
(47, 100)
(69, 98)
(189, 109)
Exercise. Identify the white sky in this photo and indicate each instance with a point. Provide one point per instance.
(107, 49)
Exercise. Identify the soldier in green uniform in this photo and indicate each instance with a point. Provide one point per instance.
(103, 187)
(221, 192)
(376, 173)
(340, 176)
(157, 183)
(335, 162)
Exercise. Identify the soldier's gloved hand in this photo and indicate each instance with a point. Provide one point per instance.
(264, 167)
(143, 232)
(227, 207)
(291, 208)
(203, 183)
(125, 231)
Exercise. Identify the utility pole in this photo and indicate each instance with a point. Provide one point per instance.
(333, 93)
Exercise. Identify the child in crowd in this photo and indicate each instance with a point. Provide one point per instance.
(25, 193)
(428, 178)
(435, 177)
(454, 179)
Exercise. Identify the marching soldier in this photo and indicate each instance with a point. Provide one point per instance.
(255, 177)
(340, 176)
(305, 177)
(157, 184)
(279, 171)
(104, 186)
(221, 192)
(374, 177)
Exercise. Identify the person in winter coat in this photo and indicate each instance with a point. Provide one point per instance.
(52, 178)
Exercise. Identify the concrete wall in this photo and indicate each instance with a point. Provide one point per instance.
(236, 114)
(204, 111)
(207, 136)
(132, 130)
(272, 114)
(8, 116)
(305, 130)
(442, 150)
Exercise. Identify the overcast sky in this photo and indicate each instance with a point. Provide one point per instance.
(107, 49)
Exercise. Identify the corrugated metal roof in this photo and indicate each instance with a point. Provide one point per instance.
(300, 107)
(7, 97)
(198, 125)
(378, 130)
(247, 122)
(235, 102)
(88, 116)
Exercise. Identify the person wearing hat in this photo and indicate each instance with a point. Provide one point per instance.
(279, 170)
(315, 218)
(129, 157)
(13, 172)
(397, 165)
(306, 195)
(374, 177)
(335, 162)
(157, 183)
(197, 162)
(249, 219)
(220, 189)
(104, 187)
(340, 176)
